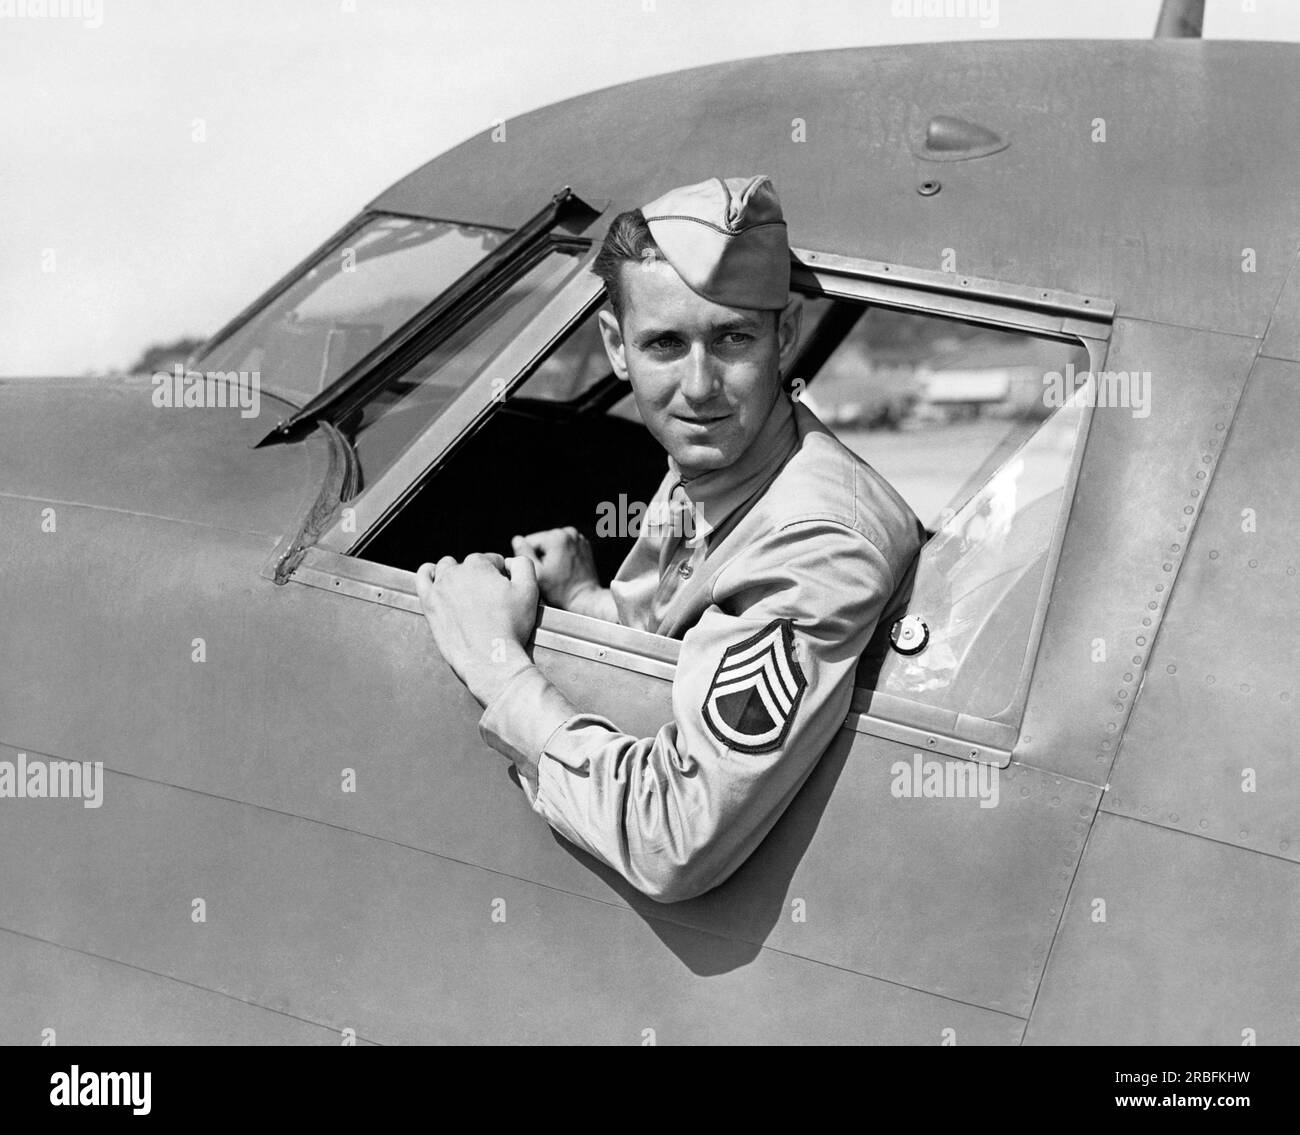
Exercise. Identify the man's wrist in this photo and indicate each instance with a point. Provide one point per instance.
(488, 680)
(580, 598)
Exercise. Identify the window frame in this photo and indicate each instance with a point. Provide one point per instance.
(334, 564)
(325, 251)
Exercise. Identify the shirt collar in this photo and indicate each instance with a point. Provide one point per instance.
(717, 495)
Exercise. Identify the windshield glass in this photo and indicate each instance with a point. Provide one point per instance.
(403, 408)
(978, 579)
(350, 301)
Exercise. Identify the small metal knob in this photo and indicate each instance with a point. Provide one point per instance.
(909, 635)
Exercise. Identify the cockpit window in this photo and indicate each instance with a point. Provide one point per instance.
(935, 404)
(401, 410)
(350, 301)
(979, 579)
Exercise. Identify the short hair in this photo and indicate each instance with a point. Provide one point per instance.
(628, 241)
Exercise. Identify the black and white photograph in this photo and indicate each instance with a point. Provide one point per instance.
(649, 522)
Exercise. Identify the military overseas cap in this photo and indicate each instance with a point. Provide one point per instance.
(726, 240)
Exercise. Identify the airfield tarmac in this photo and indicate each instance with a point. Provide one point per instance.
(929, 463)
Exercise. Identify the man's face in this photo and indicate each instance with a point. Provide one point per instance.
(704, 376)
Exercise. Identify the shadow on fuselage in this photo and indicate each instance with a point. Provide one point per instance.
(725, 929)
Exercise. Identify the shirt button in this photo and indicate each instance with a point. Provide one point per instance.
(685, 570)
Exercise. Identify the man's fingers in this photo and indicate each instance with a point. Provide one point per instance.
(522, 570)
(522, 547)
(494, 559)
(424, 579)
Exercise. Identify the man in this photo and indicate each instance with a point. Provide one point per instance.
(791, 553)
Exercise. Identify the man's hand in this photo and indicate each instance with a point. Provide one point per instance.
(566, 569)
(481, 613)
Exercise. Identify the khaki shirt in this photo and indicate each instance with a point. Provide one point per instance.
(794, 555)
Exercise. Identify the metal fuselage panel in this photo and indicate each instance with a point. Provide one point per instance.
(1118, 152)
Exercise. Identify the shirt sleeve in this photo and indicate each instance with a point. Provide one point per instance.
(762, 685)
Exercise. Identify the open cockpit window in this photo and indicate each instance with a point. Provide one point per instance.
(399, 411)
(965, 416)
(358, 292)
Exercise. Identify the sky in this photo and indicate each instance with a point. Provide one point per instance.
(163, 161)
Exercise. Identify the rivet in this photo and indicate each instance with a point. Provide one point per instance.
(1128, 677)
(1171, 669)
(1253, 563)
(1210, 679)
(1214, 555)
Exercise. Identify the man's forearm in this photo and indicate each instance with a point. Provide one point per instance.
(596, 602)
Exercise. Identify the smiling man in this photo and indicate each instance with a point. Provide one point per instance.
(791, 554)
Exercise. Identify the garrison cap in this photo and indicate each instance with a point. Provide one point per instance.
(726, 240)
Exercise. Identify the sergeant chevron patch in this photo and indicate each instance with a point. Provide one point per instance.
(756, 691)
